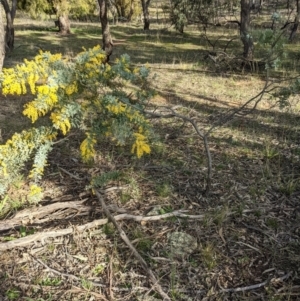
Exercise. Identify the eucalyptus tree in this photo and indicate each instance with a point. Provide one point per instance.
(107, 42)
(296, 21)
(61, 8)
(246, 36)
(208, 12)
(124, 9)
(2, 40)
(146, 15)
(205, 12)
(10, 12)
(38, 8)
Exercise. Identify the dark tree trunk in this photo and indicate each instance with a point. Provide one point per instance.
(118, 11)
(63, 24)
(296, 22)
(13, 9)
(245, 30)
(2, 41)
(131, 11)
(145, 6)
(107, 43)
(10, 31)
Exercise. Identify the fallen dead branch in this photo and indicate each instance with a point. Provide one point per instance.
(56, 211)
(123, 235)
(31, 215)
(21, 242)
(255, 286)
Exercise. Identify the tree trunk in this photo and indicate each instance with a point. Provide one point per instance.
(245, 30)
(2, 40)
(296, 22)
(145, 6)
(107, 43)
(63, 24)
(10, 31)
(13, 9)
(131, 11)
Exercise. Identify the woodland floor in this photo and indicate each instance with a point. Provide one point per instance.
(247, 230)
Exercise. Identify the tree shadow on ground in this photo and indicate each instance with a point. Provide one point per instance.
(281, 125)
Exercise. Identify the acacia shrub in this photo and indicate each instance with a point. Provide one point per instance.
(73, 93)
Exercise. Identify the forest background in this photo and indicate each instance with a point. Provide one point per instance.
(190, 147)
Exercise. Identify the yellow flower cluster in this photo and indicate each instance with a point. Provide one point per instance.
(37, 170)
(134, 115)
(35, 190)
(10, 83)
(140, 145)
(15, 80)
(48, 56)
(87, 148)
(61, 122)
(3, 168)
(47, 98)
(93, 59)
(107, 71)
(32, 79)
(71, 89)
(31, 111)
(118, 108)
(79, 91)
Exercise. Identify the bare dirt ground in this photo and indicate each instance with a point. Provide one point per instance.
(243, 238)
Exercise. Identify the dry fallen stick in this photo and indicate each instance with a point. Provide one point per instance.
(28, 216)
(21, 242)
(123, 235)
(56, 211)
(255, 286)
(238, 289)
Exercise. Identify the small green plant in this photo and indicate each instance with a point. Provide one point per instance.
(143, 242)
(159, 148)
(164, 189)
(99, 269)
(12, 294)
(25, 232)
(51, 247)
(8, 238)
(208, 255)
(165, 209)
(243, 260)
(272, 223)
(124, 197)
(86, 284)
(134, 188)
(50, 281)
(104, 179)
(270, 152)
(220, 216)
(289, 186)
(109, 229)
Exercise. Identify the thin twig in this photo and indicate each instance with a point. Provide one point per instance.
(71, 175)
(123, 235)
(223, 120)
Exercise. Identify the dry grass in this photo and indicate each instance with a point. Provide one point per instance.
(250, 233)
